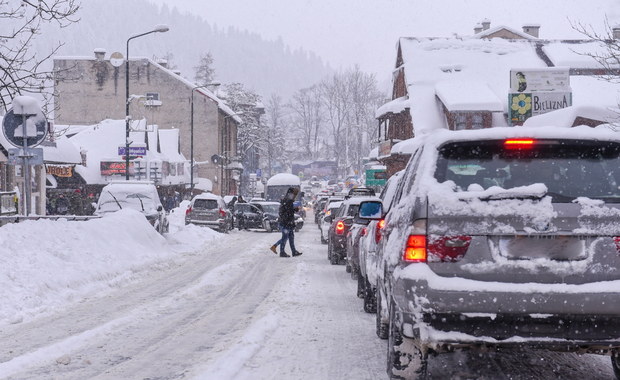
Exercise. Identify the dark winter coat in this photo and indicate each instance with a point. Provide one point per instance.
(286, 216)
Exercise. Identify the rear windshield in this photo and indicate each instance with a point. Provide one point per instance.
(568, 168)
(205, 204)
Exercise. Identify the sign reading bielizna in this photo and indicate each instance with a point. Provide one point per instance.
(538, 91)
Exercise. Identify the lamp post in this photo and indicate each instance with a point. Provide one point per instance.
(157, 29)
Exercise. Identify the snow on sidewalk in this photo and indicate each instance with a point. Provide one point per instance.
(46, 264)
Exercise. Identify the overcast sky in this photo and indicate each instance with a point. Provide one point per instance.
(364, 32)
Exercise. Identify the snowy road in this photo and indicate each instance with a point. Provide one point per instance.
(236, 310)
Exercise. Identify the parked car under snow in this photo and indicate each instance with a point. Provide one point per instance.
(503, 237)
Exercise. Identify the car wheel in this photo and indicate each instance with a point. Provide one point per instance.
(360, 287)
(381, 326)
(615, 363)
(370, 299)
(347, 268)
(405, 359)
(334, 258)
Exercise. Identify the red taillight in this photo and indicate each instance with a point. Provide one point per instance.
(378, 229)
(415, 251)
(222, 213)
(617, 241)
(518, 143)
(189, 209)
(448, 248)
(340, 227)
(364, 231)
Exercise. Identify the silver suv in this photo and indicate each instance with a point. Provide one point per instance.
(503, 237)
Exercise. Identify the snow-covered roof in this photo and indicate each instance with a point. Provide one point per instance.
(565, 117)
(169, 144)
(490, 31)
(428, 62)
(467, 95)
(397, 105)
(593, 91)
(374, 153)
(576, 54)
(284, 179)
(63, 152)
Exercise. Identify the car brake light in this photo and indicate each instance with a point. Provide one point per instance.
(340, 227)
(364, 231)
(189, 209)
(222, 213)
(518, 143)
(415, 251)
(617, 241)
(378, 229)
(447, 248)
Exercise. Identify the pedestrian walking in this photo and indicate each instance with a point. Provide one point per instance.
(286, 219)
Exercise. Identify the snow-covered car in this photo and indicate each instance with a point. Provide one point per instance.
(138, 195)
(503, 237)
(358, 230)
(339, 228)
(209, 210)
(326, 220)
(269, 212)
(367, 279)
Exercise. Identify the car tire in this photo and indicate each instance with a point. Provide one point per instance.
(361, 286)
(334, 258)
(347, 268)
(381, 327)
(615, 363)
(323, 241)
(370, 298)
(405, 359)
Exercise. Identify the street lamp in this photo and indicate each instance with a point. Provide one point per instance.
(157, 29)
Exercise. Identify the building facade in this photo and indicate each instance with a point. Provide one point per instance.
(91, 89)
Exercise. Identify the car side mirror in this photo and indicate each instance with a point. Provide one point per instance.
(160, 208)
(328, 218)
(371, 210)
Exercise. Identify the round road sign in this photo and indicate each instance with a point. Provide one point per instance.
(36, 129)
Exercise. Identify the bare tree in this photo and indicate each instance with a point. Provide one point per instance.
(609, 55)
(204, 71)
(307, 118)
(334, 93)
(20, 67)
(275, 143)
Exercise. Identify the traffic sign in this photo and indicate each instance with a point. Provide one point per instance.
(35, 131)
(133, 150)
(34, 156)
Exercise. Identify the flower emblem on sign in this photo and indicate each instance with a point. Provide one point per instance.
(521, 103)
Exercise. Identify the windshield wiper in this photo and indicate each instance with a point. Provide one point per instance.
(140, 199)
(116, 200)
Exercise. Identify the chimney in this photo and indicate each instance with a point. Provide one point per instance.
(531, 29)
(486, 24)
(477, 28)
(99, 54)
(616, 32)
(163, 62)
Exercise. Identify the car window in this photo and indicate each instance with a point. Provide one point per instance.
(569, 169)
(352, 211)
(205, 204)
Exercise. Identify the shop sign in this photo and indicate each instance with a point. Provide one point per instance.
(540, 79)
(59, 170)
(109, 168)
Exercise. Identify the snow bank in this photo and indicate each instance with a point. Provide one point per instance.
(46, 264)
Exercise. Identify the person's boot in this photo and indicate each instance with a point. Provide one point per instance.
(297, 253)
(284, 254)
(273, 249)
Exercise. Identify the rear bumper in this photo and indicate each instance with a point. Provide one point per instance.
(209, 223)
(583, 322)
